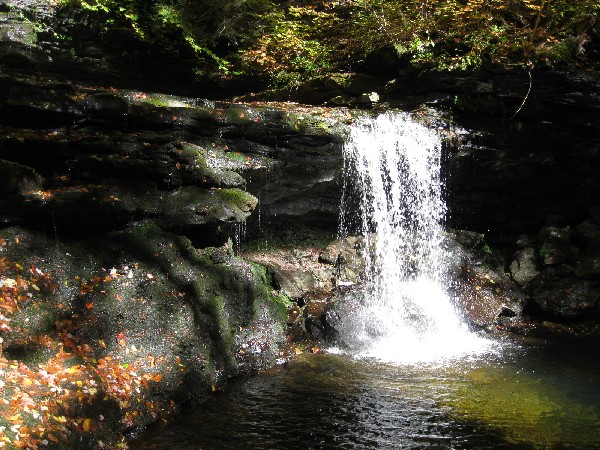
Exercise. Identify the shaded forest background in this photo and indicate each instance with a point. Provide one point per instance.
(281, 44)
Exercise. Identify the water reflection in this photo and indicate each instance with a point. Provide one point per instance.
(540, 398)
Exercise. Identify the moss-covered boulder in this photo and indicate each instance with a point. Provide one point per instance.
(106, 335)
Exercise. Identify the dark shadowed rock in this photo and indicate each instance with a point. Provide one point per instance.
(387, 60)
(585, 233)
(555, 247)
(588, 264)
(564, 298)
(524, 267)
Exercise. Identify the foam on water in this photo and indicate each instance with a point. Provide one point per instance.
(392, 177)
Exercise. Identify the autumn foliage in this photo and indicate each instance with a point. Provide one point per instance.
(55, 388)
(287, 42)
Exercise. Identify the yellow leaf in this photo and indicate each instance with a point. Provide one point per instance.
(86, 424)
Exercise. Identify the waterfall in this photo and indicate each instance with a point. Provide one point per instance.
(393, 197)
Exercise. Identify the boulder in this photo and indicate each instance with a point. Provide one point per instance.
(138, 321)
(585, 233)
(587, 266)
(347, 258)
(524, 267)
(594, 212)
(560, 297)
(555, 247)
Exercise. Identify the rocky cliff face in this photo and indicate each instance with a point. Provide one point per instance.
(122, 212)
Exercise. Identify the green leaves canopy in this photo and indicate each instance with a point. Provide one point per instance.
(289, 41)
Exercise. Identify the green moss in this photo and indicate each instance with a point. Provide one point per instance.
(166, 101)
(238, 198)
(236, 156)
(308, 124)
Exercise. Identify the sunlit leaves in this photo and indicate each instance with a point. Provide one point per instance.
(58, 398)
(294, 40)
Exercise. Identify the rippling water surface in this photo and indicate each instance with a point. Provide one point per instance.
(536, 397)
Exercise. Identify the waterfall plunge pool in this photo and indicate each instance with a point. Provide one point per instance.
(423, 380)
(543, 396)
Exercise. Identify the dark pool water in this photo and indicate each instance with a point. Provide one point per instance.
(543, 396)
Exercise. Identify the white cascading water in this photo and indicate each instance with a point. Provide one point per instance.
(392, 176)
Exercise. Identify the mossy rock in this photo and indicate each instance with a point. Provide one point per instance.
(143, 304)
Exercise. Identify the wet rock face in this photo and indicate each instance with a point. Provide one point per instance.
(105, 159)
(537, 163)
(123, 176)
(485, 294)
(322, 284)
(504, 154)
